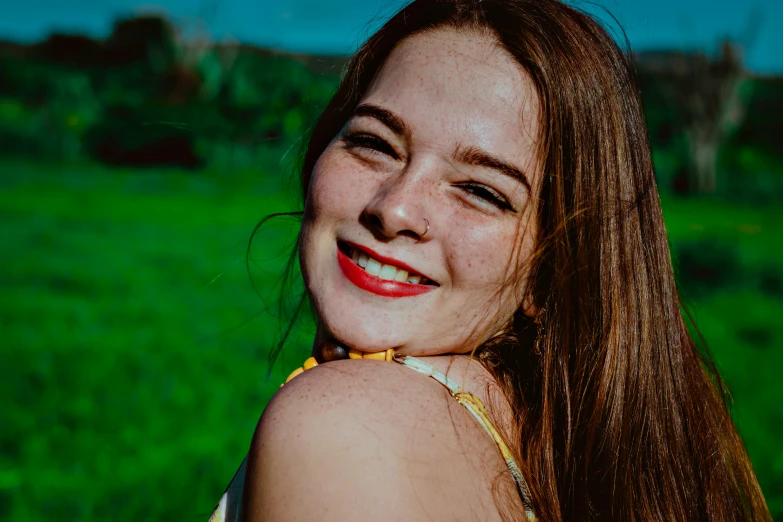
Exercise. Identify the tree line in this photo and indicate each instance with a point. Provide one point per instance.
(155, 94)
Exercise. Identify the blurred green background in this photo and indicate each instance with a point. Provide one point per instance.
(136, 332)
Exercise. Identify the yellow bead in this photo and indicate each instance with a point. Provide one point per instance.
(377, 356)
(386, 355)
(294, 374)
(309, 363)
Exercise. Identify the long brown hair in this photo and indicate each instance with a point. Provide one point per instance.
(619, 415)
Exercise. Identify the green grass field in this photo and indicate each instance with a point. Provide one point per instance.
(134, 344)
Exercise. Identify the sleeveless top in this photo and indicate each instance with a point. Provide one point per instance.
(227, 509)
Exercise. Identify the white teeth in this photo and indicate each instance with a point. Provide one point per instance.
(387, 272)
(373, 267)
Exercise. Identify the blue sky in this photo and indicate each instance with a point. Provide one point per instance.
(338, 26)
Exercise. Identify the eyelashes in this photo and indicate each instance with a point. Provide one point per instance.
(375, 145)
(368, 141)
(487, 194)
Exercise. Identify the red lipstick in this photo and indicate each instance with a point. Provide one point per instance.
(356, 275)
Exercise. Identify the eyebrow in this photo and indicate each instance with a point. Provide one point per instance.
(467, 155)
(479, 158)
(388, 118)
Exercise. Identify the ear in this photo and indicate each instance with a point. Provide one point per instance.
(529, 307)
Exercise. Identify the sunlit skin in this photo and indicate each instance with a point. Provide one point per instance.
(457, 94)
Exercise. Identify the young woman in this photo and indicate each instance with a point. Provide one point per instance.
(480, 206)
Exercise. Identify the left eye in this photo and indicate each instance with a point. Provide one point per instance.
(487, 194)
(368, 141)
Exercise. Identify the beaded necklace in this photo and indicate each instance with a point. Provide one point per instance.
(329, 351)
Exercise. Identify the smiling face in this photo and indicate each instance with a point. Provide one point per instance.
(431, 183)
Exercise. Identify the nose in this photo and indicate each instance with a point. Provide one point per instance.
(398, 208)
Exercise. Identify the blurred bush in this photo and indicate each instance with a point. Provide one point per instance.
(147, 96)
(712, 124)
(704, 267)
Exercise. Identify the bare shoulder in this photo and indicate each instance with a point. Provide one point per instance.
(367, 440)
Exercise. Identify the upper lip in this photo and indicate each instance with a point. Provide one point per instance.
(386, 260)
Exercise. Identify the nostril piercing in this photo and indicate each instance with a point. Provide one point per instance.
(428, 227)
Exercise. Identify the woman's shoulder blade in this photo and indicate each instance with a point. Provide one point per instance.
(367, 440)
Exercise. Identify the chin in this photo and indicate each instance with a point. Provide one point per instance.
(363, 333)
(354, 317)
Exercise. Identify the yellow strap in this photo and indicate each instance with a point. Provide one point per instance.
(474, 405)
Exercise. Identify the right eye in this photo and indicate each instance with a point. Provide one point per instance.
(373, 144)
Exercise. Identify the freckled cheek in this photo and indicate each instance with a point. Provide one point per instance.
(480, 257)
(338, 188)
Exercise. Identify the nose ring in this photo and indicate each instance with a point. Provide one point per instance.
(428, 227)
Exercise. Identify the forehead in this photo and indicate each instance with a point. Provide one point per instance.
(460, 86)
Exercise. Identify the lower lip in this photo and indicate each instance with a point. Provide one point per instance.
(376, 285)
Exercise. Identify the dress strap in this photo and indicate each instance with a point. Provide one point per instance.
(474, 405)
(227, 509)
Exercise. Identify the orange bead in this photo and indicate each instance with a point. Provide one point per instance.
(377, 356)
(386, 355)
(294, 374)
(310, 363)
